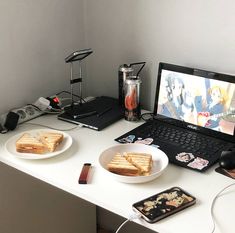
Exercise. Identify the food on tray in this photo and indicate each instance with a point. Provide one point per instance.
(131, 164)
(51, 140)
(39, 144)
(29, 144)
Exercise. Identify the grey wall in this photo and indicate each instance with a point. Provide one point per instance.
(35, 37)
(198, 33)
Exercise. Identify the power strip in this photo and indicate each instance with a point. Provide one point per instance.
(25, 113)
(28, 112)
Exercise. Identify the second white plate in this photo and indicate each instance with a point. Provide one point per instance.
(160, 161)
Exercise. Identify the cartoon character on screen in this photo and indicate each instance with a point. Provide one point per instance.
(175, 101)
(215, 103)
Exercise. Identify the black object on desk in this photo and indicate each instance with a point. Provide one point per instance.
(95, 114)
(187, 141)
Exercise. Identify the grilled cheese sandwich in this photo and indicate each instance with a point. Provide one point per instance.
(51, 140)
(121, 166)
(140, 160)
(29, 144)
(131, 164)
(40, 143)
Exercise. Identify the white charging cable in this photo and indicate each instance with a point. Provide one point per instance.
(213, 204)
(136, 215)
(49, 127)
(131, 218)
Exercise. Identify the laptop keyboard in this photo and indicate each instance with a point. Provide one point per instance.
(187, 140)
(203, 151)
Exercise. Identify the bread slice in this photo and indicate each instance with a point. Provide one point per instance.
(29, 144)
(121, 166)
(142, 161)
(51, 140)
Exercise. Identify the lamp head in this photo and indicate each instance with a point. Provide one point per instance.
(78, 55)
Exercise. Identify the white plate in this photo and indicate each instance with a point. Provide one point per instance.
(160, 161)
(10, 145)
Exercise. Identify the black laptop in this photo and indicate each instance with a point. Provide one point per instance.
(193, 119)
(95, 114)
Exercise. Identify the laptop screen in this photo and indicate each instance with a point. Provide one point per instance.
(200, 100)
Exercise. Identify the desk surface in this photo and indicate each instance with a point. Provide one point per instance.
(63, 172)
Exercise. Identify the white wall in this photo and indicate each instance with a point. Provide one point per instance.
(35, 37)
(198, 33)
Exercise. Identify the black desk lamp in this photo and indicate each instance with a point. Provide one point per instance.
(80, 110)
(77, 56)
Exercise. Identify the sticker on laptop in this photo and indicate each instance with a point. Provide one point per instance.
(146, 141)
(198, 163)
(184, 157)
(128, 139)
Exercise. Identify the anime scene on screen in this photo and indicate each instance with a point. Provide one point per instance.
(197, 100)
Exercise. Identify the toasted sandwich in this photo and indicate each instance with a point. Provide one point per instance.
(51, 140)
(121, 166)
(131, 164)
(142, 161)
(29, 144)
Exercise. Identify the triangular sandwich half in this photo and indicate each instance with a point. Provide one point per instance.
(121, 166)
(29, 144)
(51, 139)
(142, 161)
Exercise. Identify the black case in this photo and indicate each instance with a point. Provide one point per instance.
(161, 205)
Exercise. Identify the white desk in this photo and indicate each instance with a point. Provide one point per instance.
(63, 172)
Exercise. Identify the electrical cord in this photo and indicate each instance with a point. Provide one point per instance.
(33, 105)
(131, 218)
(67, 92)
(213, 204)
(46, 126)
(54, 110)
(136, 215)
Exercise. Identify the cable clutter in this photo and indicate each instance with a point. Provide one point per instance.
(50, 105)
(10, 120)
